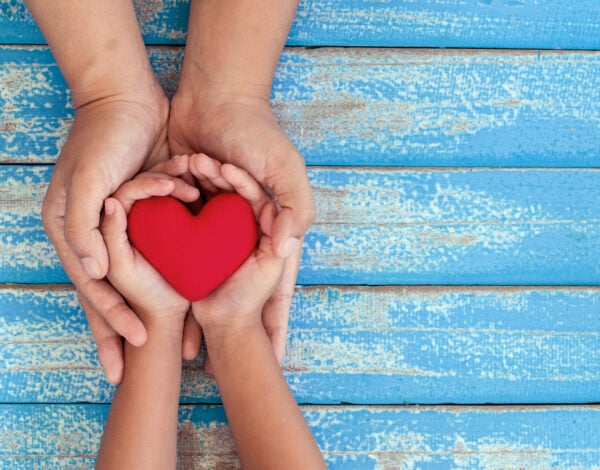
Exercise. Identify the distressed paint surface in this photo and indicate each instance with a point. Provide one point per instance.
(391, 226)
(547, 24)
(471, 226)
(355, 344)
(368, 106)
(361, 438)
(348, 345)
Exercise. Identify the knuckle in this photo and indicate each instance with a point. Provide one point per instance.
(309, 214)
(275, 331)
(50, 221)
(72, 236)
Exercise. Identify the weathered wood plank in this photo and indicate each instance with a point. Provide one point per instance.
(362, 438)
(509, 227)
(392, 226)
(426, 23)
(368, 106)
(349, 345)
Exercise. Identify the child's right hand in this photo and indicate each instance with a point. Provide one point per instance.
(237, 304)
(152, 298)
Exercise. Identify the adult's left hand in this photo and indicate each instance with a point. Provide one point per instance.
(241, 129)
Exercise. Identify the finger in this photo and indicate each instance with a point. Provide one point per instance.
(276, 311)
(100, 295)
(81, 220)
(53, 215)
(208, 173)
(112, 308)
(295, 198)
(266, 218)
(114, 230)
(154, 185)
(142, 188)
(176, 166)
(246, 186)
(182, 190)
(108, 343)
(192, 338)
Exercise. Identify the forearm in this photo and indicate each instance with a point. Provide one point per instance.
(97, 45)
(141, 430)
(235, 44)
(267, 425)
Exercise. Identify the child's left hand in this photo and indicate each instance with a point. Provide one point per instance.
(237, 304)
(146, 291)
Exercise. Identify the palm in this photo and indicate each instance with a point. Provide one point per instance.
(119, 138)
(150, 292)
(245, 292)
(245, 135)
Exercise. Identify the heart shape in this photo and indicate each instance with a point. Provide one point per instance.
(195, 254)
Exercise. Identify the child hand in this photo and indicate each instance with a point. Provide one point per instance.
(146, 291)
(238, 302)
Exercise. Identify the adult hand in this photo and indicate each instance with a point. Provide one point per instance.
(241, 129)
(112, 138)
(222, 109)
(120, 123)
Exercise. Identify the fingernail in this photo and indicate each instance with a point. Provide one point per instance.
(91, 266)
(289, 246)
(177, 157)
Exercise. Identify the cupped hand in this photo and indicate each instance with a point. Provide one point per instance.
(153, 299)
(111, 139)
(242, 130)
(238, 302)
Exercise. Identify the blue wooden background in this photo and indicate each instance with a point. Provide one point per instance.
(448, 307)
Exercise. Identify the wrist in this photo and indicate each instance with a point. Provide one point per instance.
(222, 338)
(219, 331)
(143, 113)
(97, 45)
(114, 85)
(201, 83)
(168, 326)
(229, 45)
(206, 100)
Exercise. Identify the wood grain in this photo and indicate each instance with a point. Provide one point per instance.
(368, 106)
(455, 228)
(361, 438)
(382, 345)
(390, 226)
(425, 23)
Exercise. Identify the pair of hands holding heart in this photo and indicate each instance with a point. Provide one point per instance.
(162, 257)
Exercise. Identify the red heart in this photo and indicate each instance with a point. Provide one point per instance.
(195, 254)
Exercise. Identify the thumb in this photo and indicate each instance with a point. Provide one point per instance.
(297, 210)
(83, 205)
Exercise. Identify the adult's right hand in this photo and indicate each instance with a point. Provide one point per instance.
(120, 127)
(112, 138)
